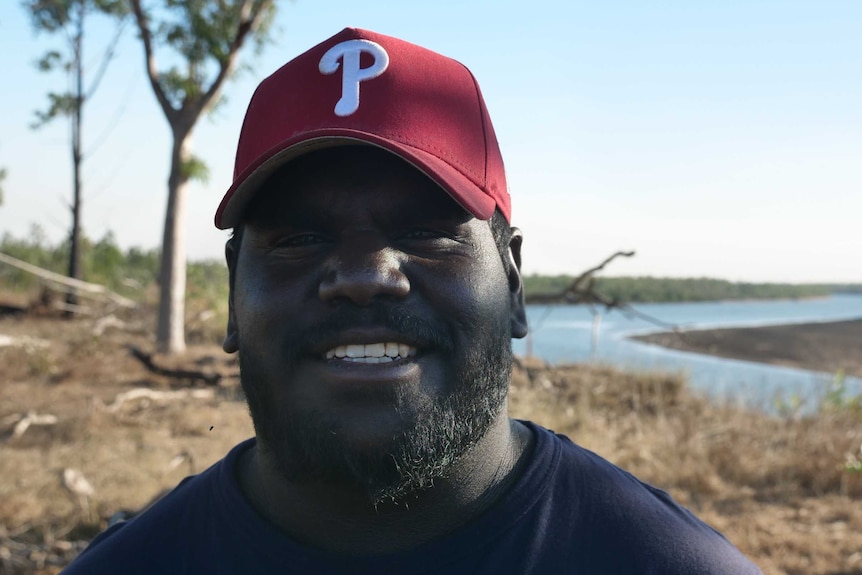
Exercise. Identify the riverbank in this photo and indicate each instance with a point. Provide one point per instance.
(825, 346)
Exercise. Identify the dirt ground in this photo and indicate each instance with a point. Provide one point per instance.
(827, 346)
(95, 445)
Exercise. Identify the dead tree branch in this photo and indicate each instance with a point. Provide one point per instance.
(84, 288)
(582, 290)
(189, 374)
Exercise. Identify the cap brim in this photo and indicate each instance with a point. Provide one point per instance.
(460, 187)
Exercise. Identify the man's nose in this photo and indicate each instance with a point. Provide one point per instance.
(360, 273)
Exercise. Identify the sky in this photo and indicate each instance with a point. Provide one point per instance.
(718, 138)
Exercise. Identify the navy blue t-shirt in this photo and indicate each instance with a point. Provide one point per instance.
(571, 512)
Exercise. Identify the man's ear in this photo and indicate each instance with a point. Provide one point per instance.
(231, 339)
(516, 286)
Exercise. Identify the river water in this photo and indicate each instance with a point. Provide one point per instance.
(565, 333)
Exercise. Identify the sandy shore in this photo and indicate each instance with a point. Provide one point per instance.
(826, 347)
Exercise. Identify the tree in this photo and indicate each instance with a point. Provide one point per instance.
(2, 177)
(68, 18)
(205, 37)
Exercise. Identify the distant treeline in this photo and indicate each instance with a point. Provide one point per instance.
(847, 288)
(651, 289)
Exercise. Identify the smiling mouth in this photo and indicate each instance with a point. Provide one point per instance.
(371, 352)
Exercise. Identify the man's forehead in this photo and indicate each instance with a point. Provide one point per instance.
(312, 184)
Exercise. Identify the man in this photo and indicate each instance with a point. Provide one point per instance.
(375, 289)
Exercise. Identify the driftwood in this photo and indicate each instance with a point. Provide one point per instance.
(154, 395)
(22, 341)
(103, 323)
(24, 421)
(59, 281)
(191, 374)
(78, 486)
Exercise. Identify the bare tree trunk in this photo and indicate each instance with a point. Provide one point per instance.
(183, 106)
(170, 334)
(77, 158)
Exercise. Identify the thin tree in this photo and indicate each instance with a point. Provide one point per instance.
(204, 37)
(68, 18)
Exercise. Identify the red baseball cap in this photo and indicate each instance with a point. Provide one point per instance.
(360, 87)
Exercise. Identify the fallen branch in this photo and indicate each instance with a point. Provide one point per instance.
(86, 288)
(25, 421)
(583, 291)
(77, 485)
(582, 288)
(154, 395)
(107, 321)
(194, 375)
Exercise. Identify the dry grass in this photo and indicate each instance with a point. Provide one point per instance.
(776, 487)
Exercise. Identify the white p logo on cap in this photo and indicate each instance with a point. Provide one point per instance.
(351, 75)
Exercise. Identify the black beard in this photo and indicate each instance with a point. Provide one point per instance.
(306, 446)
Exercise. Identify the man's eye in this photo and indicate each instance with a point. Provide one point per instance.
(423, 234)
(300, 240)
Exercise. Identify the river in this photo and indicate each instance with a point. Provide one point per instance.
(564, 333)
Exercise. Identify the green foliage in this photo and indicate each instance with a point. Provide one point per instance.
(54, 15)
(651, 289)
(788, 408)
(846, 288)
(58, 105)
(34, 250)
(103, 262)
(203, 34)
(837, 398)
(66, 18)
(194, 168)
(49, 61)
(207, 282)
(2, 177)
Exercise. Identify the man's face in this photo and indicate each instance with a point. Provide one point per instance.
(373, 317)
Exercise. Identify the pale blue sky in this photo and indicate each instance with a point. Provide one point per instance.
(716, 138)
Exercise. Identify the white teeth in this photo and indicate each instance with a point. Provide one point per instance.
(371, 352)
(375, 350)
(340, 351)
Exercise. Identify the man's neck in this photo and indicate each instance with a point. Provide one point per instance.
(340, 519)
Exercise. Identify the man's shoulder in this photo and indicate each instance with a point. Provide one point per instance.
(157, 539)
(612, 517)
(595, 484)
(148, 540)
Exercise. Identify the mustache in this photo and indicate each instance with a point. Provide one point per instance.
(413, 327)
